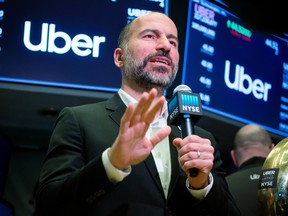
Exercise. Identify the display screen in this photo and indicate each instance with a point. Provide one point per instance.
(66, 43)
(239, 73)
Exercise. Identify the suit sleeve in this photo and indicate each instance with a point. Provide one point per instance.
(68, 184)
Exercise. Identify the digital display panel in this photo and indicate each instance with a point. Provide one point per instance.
(239, 73)
(66, 43)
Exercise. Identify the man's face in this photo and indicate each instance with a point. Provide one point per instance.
(151, 57)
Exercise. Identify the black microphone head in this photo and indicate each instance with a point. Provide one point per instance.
(184, 104)
(183, 88)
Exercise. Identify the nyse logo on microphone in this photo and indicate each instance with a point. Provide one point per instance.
(190, 103)
(184, 103)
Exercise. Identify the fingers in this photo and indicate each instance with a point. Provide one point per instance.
(193, 143)
(132, 146)
(143, 113)
(125, 121)
(153, 110)
(146, 108)
(196, 155)
(195, 151)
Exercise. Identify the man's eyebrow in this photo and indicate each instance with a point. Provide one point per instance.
(173, 37)
(170, 36)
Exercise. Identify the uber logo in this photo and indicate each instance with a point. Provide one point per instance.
(81, 44)
(257, 87)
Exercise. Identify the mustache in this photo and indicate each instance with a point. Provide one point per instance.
(158, 53)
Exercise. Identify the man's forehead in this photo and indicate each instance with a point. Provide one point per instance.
(154, 21)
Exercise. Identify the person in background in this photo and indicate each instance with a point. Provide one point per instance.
(119, 156)
(252, 144)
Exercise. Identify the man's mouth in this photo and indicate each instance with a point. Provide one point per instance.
(162, 60)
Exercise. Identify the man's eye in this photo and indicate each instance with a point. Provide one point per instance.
(149, 36)
(173, 43)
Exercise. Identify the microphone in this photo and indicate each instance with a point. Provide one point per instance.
(185, 110)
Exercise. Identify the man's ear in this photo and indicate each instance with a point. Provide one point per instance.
(233, 156)
(271, 146)
(118, 57)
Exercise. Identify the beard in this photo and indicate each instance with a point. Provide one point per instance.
(158, 78)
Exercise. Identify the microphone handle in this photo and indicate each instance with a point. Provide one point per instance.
(187, 128)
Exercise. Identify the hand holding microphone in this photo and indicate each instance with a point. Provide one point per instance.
(185, 110)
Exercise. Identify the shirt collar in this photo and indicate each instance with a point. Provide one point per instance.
(127, 99)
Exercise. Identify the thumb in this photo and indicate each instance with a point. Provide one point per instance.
(176, 142)
(160, 135)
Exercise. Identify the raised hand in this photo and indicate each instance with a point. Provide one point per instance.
(131, 145)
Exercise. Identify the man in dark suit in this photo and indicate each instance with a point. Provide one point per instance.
(119, 157)
(252, 144)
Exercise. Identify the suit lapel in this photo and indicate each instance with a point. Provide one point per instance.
(151, 166)
(116, 108)
(175, 167)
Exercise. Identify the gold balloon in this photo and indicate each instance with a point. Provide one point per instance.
(273, 182)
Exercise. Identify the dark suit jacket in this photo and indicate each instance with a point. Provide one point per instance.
(243, 185)
(73, 180)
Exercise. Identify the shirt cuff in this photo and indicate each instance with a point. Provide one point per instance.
(114, 175)
(201, 193)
